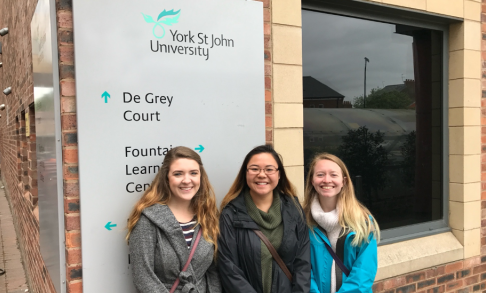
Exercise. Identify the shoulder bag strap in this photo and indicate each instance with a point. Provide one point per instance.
(191, 254)
(336, 258)
(274, 253)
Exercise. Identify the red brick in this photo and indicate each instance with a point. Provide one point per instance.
(268, 82)
(74, 273)
(268, 55)
(68, 88)
(268, 136)
(471, 280)
(268, 108)
(267, 15)
(268, 121)
(453, 285)
(267, 42)
(415, 277)
(479, 269)
(268, 96)
(71, 205)
(72, 222)
(75, 287)
(65, 19)
(438, 289)
(70, 156)
(267, 28)
(268, 69)
(471, 262)
(68, 122)
(71, 189)
(73, 239)
(70, 172)
(68, 105)
(377, 287)
(453, 267)
(66, 54)
(394, 283)
(73, 256)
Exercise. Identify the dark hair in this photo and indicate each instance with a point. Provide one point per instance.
(284, 186)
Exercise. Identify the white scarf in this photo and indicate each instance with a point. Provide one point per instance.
(329, 222)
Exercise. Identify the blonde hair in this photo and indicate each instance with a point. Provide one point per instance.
(353, 216)
(203, 203)
(284, 186)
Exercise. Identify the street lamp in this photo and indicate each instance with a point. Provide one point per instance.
(364, 96)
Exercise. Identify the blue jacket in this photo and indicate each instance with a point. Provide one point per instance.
(361, 261)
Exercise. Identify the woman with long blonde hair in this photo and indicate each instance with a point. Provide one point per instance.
(167, 251)
(261, 212)
(343, 233)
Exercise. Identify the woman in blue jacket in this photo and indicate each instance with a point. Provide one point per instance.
(340, 225)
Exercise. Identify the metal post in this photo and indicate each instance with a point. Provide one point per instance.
(364, 96)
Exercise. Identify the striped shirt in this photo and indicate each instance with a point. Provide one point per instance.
(188, 230)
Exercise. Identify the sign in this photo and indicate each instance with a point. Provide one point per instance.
(152, 75)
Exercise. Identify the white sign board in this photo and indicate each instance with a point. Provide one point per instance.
(152, 75)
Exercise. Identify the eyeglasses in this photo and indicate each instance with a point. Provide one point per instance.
(267, 170)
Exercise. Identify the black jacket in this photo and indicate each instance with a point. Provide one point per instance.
(239, 250)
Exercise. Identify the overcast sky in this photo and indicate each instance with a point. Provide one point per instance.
(334, 48)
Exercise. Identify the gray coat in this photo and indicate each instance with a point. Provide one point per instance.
(158, 252)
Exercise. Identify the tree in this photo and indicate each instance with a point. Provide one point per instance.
(381, 99)
(363, 154)
(408, 150)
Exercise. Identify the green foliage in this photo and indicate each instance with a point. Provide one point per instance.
(408, 150)
(380, 99)
(363, 154)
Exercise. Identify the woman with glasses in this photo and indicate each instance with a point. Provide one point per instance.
(264, 242)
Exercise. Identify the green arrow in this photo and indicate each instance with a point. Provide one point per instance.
(200, 148)
(109, 225)
(105, 95)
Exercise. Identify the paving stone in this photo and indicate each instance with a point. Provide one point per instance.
(13, 281)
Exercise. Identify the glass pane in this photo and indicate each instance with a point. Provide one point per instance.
(373, 97)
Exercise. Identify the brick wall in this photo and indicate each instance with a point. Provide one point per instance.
(17, 151)
(267, 32)
(69, 146)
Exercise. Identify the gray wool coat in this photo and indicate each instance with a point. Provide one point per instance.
(158, 252)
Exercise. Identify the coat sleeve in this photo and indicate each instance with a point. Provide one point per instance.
(302, 265)
(142, 248)
(363, 272)
(212, 279)
(232, 277)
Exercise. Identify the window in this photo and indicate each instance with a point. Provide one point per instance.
(382, 86)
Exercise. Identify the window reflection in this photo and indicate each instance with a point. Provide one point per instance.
(388, 130)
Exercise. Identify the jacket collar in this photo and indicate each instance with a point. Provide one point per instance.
(162, 217)
(243, 220)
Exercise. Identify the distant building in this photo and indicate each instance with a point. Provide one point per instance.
(319, 95)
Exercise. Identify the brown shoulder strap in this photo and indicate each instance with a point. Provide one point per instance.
(191, 254)
(274, 253)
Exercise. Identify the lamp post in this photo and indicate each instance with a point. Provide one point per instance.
(364, 96)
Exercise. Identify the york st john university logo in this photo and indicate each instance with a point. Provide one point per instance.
(162, 19)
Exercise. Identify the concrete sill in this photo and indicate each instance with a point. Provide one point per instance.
(417, 254)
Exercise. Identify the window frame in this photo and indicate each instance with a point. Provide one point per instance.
(404, 16)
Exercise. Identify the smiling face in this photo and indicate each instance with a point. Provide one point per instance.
(262, 184)
(184, 179)
(327, 179)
